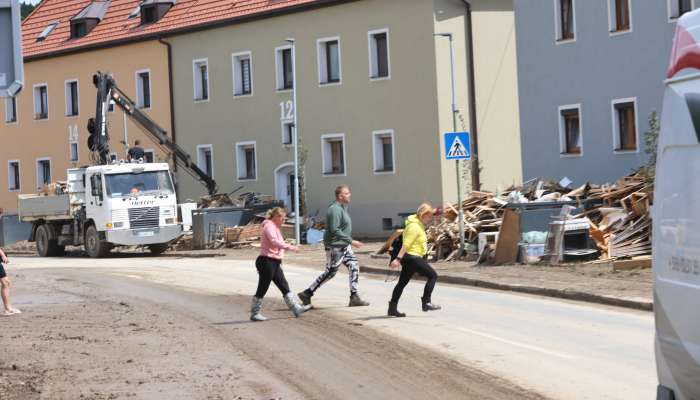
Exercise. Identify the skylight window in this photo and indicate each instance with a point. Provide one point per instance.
(47, 31)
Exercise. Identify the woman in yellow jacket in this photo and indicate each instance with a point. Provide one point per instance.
(411, 257)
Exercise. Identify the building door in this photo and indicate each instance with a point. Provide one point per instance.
(284, 185)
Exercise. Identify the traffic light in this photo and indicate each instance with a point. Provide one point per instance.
(11, 64)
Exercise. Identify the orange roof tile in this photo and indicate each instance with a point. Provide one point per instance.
(115, 27)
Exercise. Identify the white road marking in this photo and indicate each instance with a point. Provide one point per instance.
(518, 344)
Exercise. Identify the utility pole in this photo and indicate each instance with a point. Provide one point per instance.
(458, 165)
(297, 227)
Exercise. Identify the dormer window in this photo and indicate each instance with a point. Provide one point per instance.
(78, 29)
(87, 19)
(154, 10)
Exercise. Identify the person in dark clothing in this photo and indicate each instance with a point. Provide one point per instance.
(136, 153)
(411, 257)
(339, 243)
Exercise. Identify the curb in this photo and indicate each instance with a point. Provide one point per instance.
(540, 291)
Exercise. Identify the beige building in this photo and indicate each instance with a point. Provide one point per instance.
(43, 130)
(374, 99)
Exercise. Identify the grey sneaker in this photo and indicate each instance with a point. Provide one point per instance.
(356, 301)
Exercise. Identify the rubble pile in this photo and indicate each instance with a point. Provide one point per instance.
(618, 215)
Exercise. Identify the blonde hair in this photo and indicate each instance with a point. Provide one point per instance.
(275, 212)
(425, 208)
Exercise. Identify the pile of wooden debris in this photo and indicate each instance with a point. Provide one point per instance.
(620, 223)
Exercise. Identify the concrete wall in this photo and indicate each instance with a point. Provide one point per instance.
(592, 71)
(406, 103)
(30, 139)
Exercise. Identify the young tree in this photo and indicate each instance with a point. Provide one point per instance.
(651, 139)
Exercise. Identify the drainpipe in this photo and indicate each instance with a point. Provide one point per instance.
(172, 101)
(476, 179)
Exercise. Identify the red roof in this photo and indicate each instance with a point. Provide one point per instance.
(116, 27)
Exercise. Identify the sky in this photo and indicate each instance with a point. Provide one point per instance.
(35, 2)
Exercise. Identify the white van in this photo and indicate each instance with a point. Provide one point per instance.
(676, 215)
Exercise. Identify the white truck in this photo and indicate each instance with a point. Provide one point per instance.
(676, 215)
(105, 206)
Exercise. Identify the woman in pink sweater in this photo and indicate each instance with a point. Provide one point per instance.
(269, 265)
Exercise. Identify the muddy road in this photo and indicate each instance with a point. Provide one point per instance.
(87, 334)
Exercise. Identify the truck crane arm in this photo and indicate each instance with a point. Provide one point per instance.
(108, 91)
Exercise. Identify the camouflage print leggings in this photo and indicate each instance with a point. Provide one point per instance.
(334, 257)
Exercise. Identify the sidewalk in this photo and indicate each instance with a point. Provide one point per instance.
(595, 284)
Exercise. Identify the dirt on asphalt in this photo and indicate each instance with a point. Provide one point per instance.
(84, 335)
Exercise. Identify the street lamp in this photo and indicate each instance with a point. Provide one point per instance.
(454, 129)
(297, 228)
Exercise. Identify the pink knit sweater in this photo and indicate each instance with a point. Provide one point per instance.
(272, 244)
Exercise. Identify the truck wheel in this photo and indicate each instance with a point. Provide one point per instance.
(95, 247)
(158, 248)
(45, 246)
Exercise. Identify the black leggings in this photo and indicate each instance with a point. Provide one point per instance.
(270, 270)
(409, 266)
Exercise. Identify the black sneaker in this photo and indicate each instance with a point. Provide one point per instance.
(356, 301)
(305, 297)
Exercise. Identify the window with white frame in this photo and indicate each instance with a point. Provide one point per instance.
(205, 158)
(565, 20)
(285, 68)
(620, 15)
(676, 8)
(13, 177)
(570, 132)
(148, 156)
(10, 110)
(143, 89)
(333, 154)
(200, 74)
(71, 96)
(379, 54)
(43, 172)
(246, 161)
(242, 73)
(41, 101)
(329, 61)
(73, 143)
(625, 125)
(287, 132)
(383, 151)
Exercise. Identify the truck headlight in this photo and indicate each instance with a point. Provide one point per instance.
(118, 224)
(170, 221)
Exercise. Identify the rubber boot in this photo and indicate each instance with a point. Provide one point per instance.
(393, 310)
(356, 301)
(255, 310)
(429, 306)
(296, 308)
(305, 297)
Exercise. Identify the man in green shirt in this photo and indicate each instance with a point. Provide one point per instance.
(339, 243)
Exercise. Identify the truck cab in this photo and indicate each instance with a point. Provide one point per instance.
(131, 203)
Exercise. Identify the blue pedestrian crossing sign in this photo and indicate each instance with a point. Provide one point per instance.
(457, 146)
